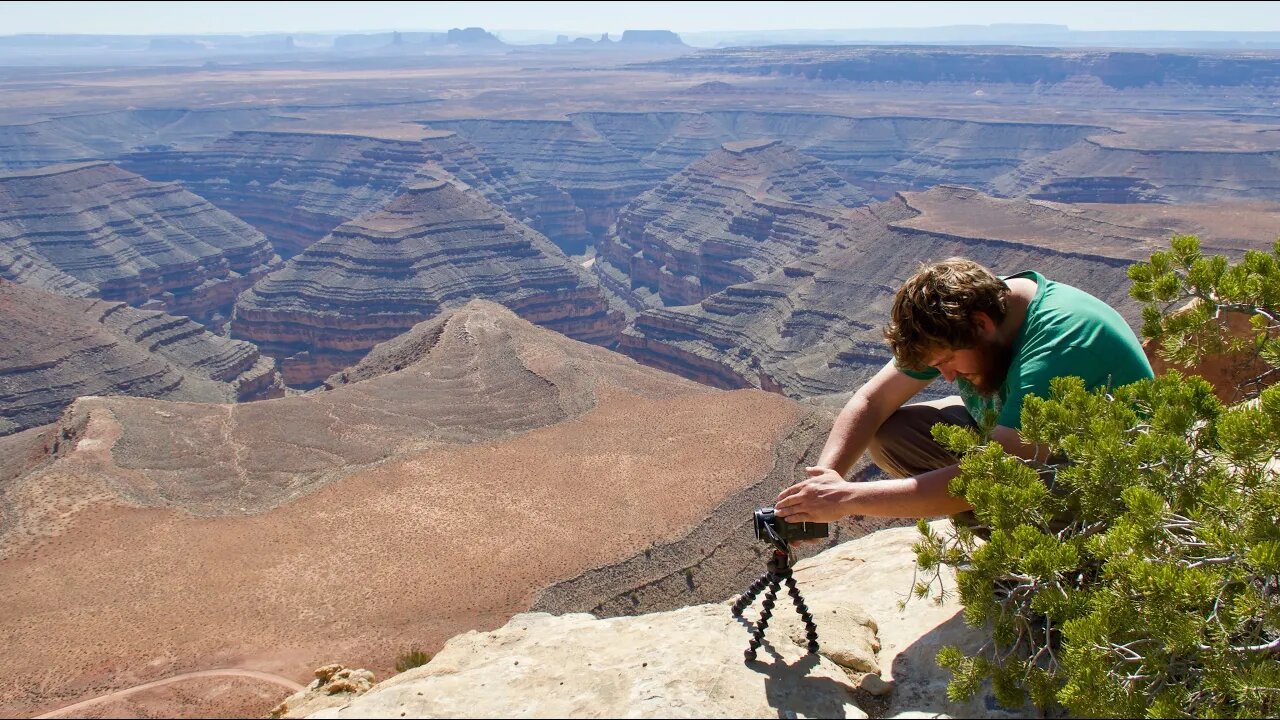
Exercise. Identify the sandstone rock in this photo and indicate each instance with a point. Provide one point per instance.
(54, 349)
(576, 666)
(434, 247)
(334, 686)
(688, 662)
(94, 229)
(1104, 170)
(873, 684)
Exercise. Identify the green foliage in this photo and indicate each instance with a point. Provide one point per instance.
(412, 659)
(1136, 572)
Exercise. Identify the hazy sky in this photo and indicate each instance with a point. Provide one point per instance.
(596, 17)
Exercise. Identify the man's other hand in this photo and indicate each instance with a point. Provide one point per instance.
(822, 497)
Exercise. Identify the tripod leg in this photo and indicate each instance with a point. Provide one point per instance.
(766, 612)
(811, 630)
(749, 596)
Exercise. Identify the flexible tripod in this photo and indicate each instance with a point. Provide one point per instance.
(779, 571)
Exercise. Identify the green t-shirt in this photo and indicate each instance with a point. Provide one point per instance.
(1067, 332)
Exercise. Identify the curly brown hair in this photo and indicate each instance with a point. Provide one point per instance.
(933, 310)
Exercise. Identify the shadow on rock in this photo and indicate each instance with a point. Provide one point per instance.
(794, 693)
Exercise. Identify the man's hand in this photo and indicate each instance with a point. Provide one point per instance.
(822, 497)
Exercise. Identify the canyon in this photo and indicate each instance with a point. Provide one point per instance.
(312, 357)
(271, 520)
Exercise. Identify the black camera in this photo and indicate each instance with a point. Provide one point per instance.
(771, 528)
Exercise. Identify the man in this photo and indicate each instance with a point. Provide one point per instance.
(998, 341)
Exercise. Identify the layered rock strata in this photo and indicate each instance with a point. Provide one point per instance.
(600, 178)
(499, 458)
(95, 229)
(730, 217)
(297, 186)
(813, 327)
(435, 246)
(54, 349)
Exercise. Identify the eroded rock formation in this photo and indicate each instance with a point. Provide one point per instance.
(92, 229)
(734, 215)
(437, 498)
(54, 349)
(435, 246)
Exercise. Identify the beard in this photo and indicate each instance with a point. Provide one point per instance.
(994, 359)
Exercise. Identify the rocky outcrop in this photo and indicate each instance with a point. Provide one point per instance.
(733, 216)
(874, 657)
(813, 327)
(297, 186)
(54, 349)
(437, 498)
(434, 247)
(597, 175)
(334, 686)
(94, 229)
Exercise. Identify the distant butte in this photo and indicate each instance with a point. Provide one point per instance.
(433, 247)
(93, 229)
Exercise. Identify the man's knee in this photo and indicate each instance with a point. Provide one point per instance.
(903, 446)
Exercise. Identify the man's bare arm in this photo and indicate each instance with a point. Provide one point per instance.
(825, 496)
(862, 416)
